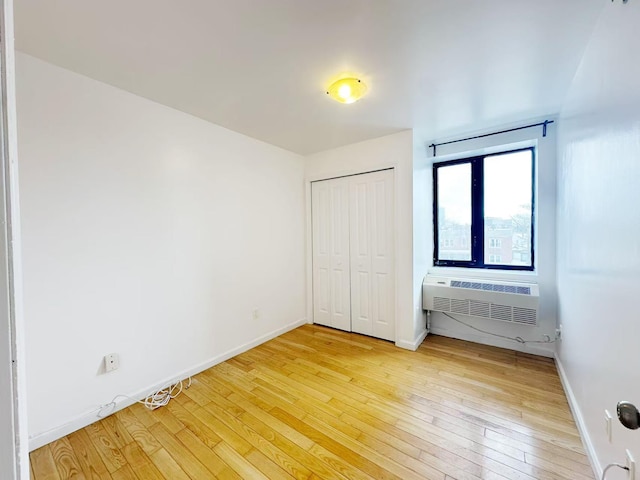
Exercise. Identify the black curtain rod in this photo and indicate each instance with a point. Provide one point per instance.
(541, 124)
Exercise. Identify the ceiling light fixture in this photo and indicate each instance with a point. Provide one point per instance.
(347, 90)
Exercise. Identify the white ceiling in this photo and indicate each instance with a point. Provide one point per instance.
(260, 67)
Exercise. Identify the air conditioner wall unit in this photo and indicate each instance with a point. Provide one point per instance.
(505, 301)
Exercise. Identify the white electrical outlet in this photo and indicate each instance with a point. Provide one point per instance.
(559, 332)
(256, 314)
(631, 465)
(111, 362)
(607, 424)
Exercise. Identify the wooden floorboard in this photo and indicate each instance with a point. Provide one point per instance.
(318, 403)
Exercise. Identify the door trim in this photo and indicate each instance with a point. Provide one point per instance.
(10, 254)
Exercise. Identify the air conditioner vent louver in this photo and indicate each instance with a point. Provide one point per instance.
(492, 287)
(501, 312)
(442, 304)
(460, 306)
(480, 309)
(504, 301)
(524, 315)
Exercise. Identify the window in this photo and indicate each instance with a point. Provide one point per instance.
(484, 210)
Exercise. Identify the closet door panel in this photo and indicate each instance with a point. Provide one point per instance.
(360, 241)
(341, 298)
(382, 255)
(321, 208)
(331, 275)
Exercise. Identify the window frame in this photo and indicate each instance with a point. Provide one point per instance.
(477, 213)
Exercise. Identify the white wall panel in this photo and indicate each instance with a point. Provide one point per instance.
(146, 232)
(598, 232)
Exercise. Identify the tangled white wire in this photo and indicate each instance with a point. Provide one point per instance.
(157, 399)
(547, 338)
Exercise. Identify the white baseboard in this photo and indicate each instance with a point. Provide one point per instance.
(413, 346)
(579, 419)
(493, 341)
(41, 439)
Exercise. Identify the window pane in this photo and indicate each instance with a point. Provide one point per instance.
(507, 208)
(454, 212)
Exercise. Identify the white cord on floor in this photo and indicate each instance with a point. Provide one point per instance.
(611, 465)
(157, 399)
(547, 338)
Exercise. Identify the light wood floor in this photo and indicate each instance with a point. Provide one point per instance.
(317, 403)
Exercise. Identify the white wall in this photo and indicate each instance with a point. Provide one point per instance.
(544, 246)
(146, 232)
(422, 226)
(599, 233)
(390, 151)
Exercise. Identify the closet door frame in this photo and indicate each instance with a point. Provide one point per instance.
(14, 439)
(309, 231)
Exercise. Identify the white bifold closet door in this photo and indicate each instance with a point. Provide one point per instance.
(331, 289)
(371, 251)
(355, 212)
